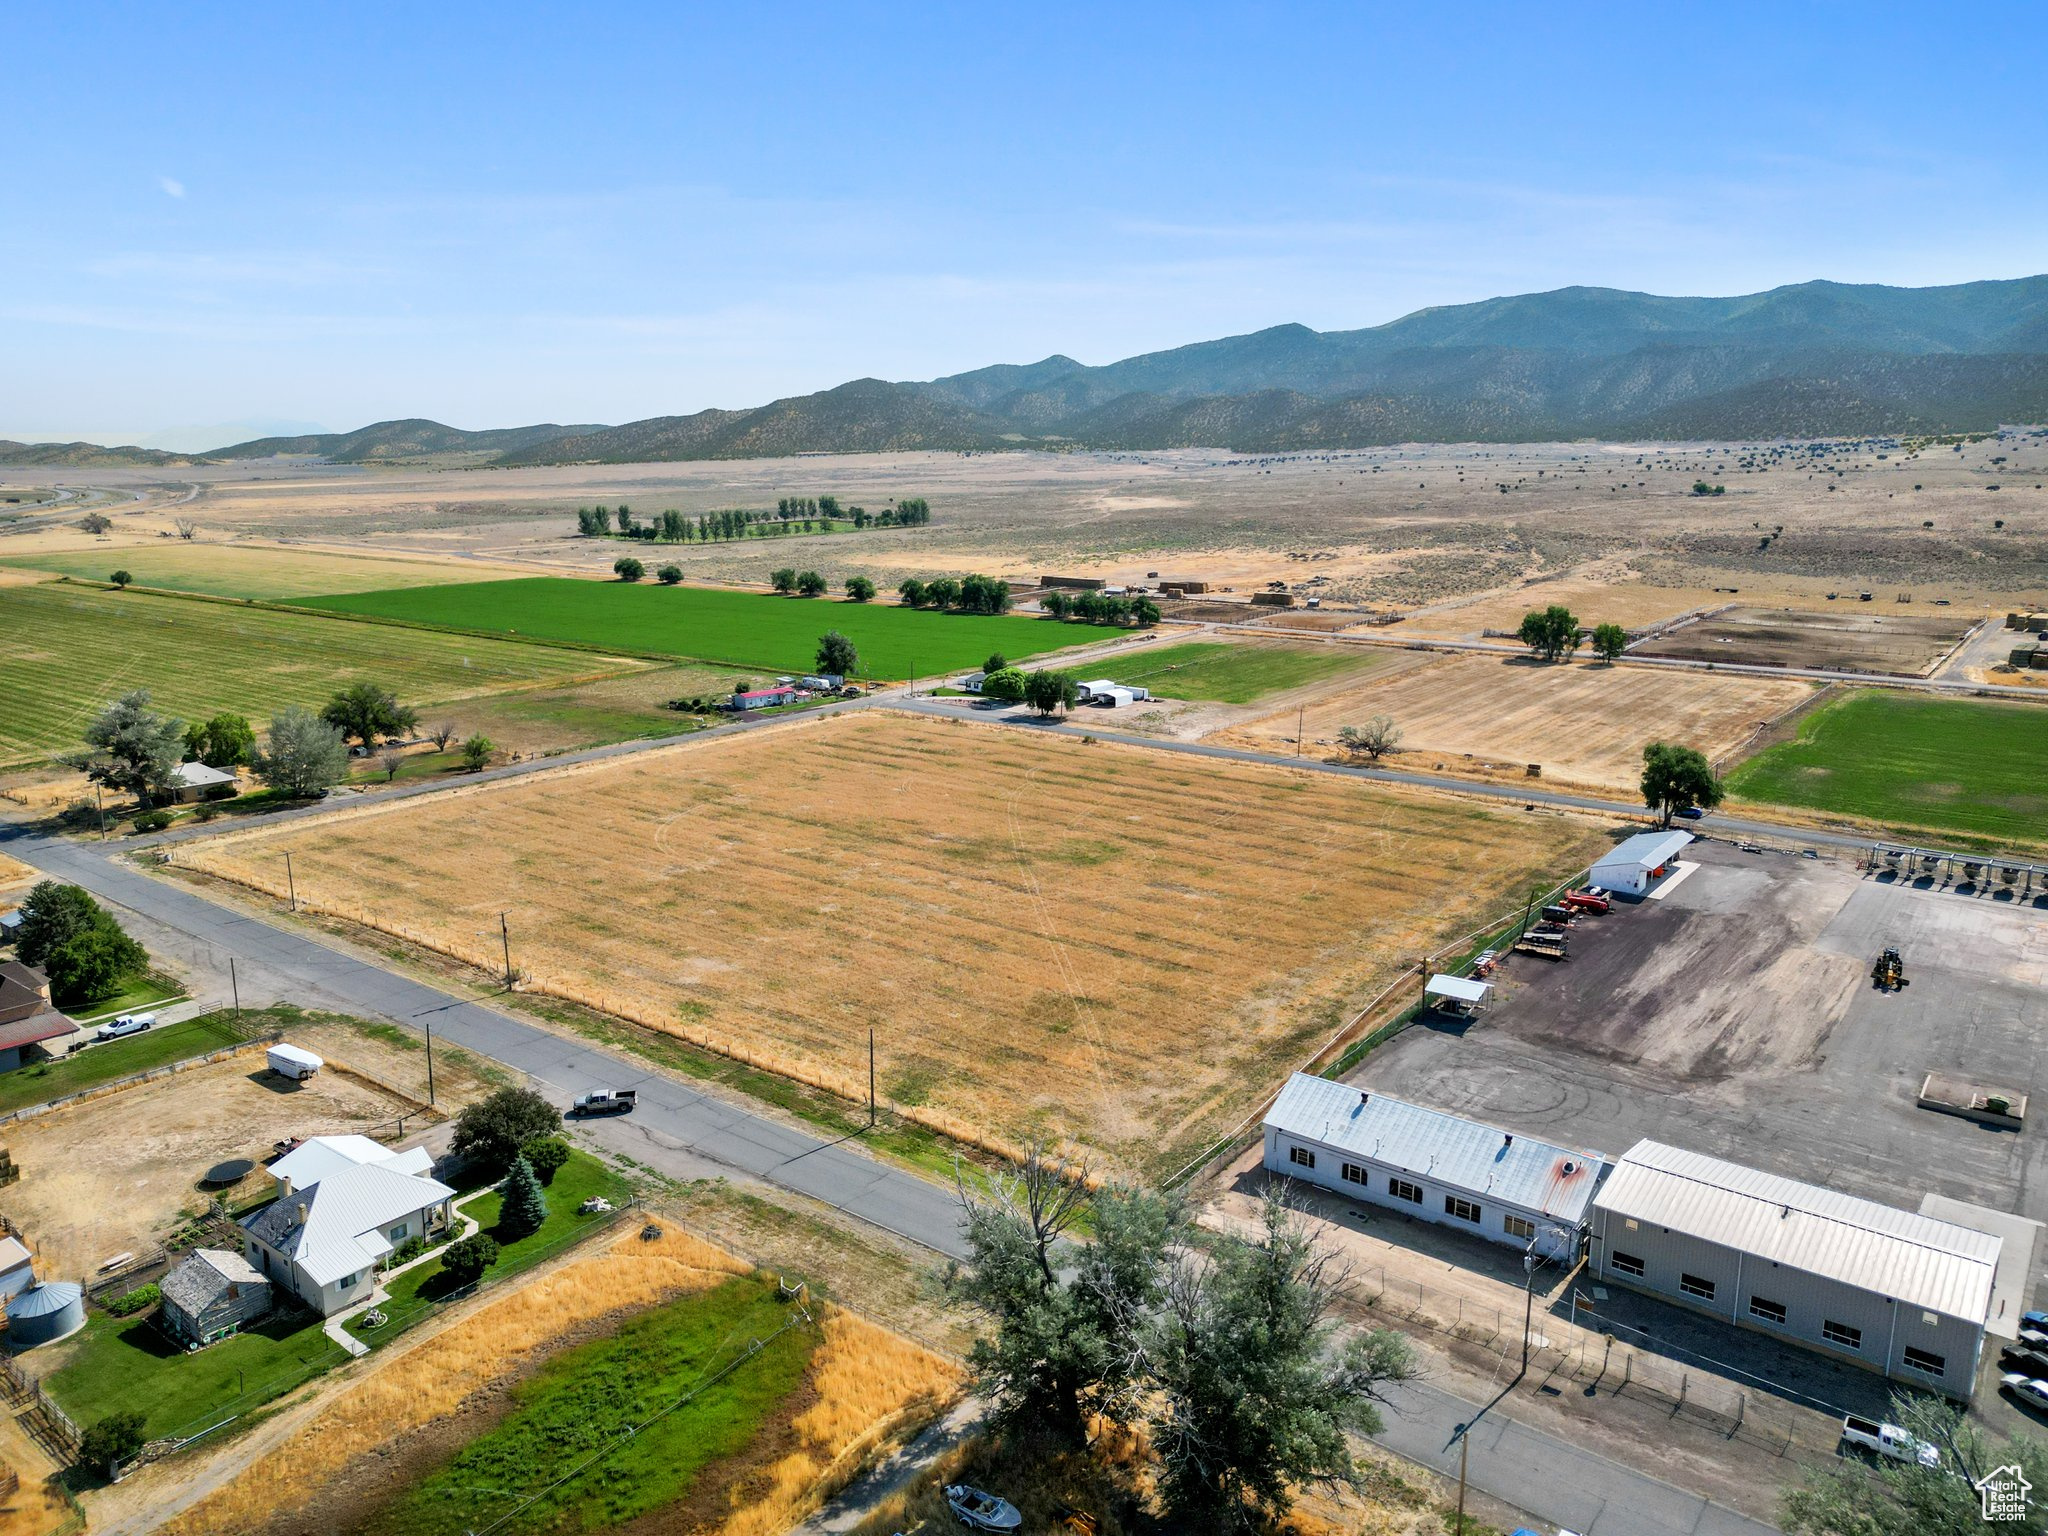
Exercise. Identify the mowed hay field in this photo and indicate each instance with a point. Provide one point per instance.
(67, 650)
(720, 624)
(248, 570)
(1099, 940)
(1234, 672)
(1950, 765)
(1584, 722)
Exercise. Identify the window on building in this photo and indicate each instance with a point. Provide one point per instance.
(1353, 1174)
(1769, 1311)
(397, 1233)
(1926, 1360)
(1518, 1226)
(1464, 1210)
(349, 1280)
(1401, 1189)
(1841, 1333)
(1301, 1157)
(1696, 1285)
(1625, 1263)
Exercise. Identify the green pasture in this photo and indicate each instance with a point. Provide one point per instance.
(1223, 673)
(778, 634)
(65, 651)
(1905, 760)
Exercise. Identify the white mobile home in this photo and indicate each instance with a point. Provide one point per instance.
(1898, 1293)
(1433, 1166)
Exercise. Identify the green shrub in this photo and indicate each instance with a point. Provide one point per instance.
(137, 1300)
(545, 1154)
(152, 821)
(466, 1260)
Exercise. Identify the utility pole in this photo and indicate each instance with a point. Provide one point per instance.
(1528, 1301)
(1300, 717)
(235, 982)
(505, 934)
(871, 1077)
(1464, 1443)
(291, 885)
(101, 800)
(430, 1059)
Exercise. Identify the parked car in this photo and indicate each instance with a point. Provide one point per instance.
(2032, 1337)
(2019, 1357)
(126, 1024)
(1693, 813)
(980, 1511)
(2031, 1390)
(2035, 1320)
(1888, 1440)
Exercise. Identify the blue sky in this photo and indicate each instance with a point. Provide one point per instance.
(492, 215)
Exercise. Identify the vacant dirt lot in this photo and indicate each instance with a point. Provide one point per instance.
(1585, 723)
(110, 1174)
(1099, 939)
(1861, 638)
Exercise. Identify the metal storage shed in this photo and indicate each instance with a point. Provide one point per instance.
(1898, 1293)
(1457, 994)
(45, 1313)
(1433, 1166)
(1634, 865)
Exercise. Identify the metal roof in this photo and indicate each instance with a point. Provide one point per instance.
(200, 776)
(341, 1232)
(204, 1278)
(318, 1156)
(46, 1024)
(1449, 1149)
(41, 1300)
(1917, 1259)
(1646, 849)
(1459, 987)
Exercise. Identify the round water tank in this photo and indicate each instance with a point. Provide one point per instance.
(45, 1313)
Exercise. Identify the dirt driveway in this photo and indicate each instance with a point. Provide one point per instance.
(112, 1174)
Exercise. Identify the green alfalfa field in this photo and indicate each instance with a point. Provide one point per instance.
(1959, 766)
(718, 624)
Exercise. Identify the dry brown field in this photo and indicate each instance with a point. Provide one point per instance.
(1089, 938)
(1863, 637)
(1620, 598)
(231, 569)
(112, 1173)
(865, 1384)
(1584, 722)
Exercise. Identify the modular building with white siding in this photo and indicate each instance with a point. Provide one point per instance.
(1898, 1293)
(1637, 863)
(1434, 1166)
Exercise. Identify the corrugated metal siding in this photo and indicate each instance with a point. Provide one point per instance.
(1447, 1149)
(1926, 1263)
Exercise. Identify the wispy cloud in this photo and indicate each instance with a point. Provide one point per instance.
(171, 185)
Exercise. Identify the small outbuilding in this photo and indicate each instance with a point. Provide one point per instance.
(213, 1294)
(1432, 1166)
(30, 1029)
(17, 1268)
(1639, 862)
(45, 1313)
(764, 698)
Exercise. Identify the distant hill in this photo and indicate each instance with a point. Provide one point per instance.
(86, 455)
(393, 441)
(1811, 359)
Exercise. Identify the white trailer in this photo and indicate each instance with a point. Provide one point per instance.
(292, 1062)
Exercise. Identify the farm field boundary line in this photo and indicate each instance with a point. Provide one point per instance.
(1676, 663)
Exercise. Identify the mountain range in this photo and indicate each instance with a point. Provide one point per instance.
(1808, 360)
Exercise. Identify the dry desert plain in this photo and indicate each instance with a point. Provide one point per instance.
(1456, 531)
(1044, 933)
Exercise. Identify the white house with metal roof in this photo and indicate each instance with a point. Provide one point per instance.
(1635, 864)
(1899, 1293)
(324, 1240)
(1433, 1166)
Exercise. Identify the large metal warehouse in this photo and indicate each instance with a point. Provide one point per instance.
(1899, 1293)
(1433, 1166)
(1637, 863)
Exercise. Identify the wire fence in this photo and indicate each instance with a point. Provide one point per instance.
(116, 1084)
(1601, 1354)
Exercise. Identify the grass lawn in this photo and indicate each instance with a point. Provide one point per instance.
(98, 1064)
(1952, 765)
(67, 650)
(135, 994)
(716, 624)
(588, 1398)
(1231, 674)
(413, 1292)
(127, 1363)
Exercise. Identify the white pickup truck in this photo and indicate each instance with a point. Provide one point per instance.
(1889, 1440)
